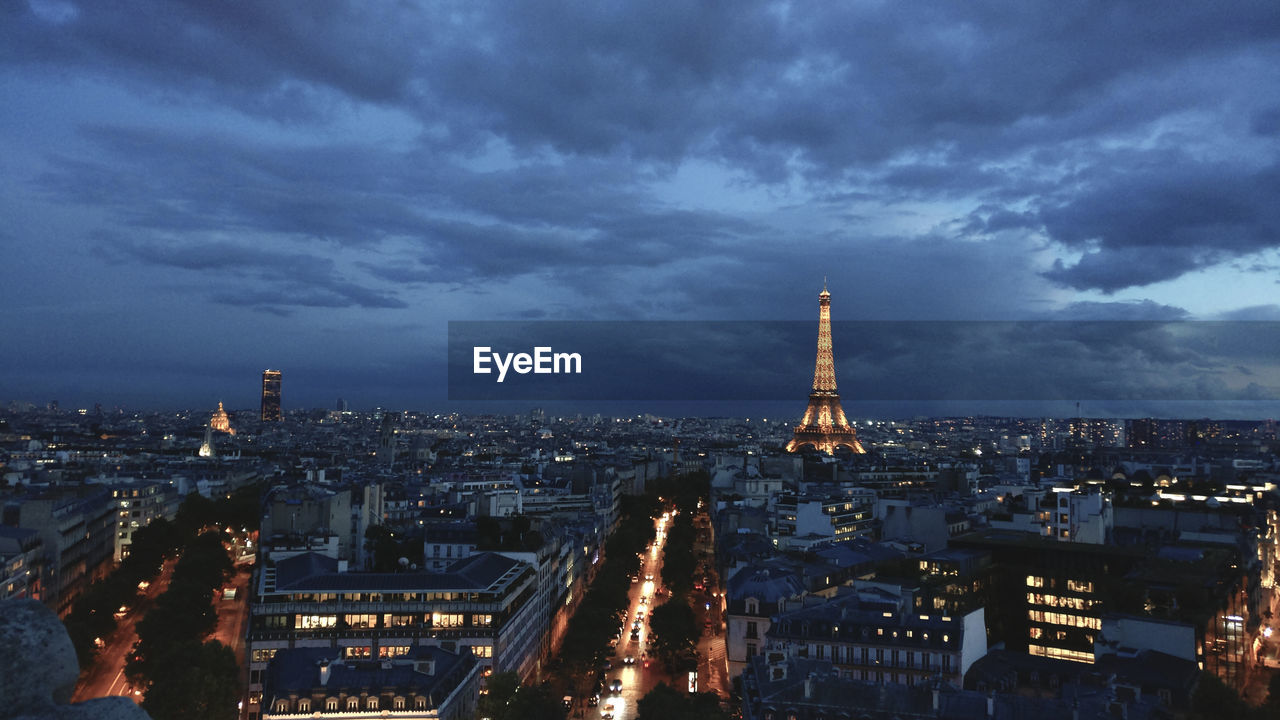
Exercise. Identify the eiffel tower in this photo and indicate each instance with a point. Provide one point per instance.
(824, 426)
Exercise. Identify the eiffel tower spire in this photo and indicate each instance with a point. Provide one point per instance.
(824, 426)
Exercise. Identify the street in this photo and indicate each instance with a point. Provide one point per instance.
(106, 675)
(637, 679)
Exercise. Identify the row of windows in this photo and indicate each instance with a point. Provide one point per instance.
(263, 655)
(1080, 586)
(366, 621)
(1055, 618)
(1060, 653)
(1039, 633)
(387, 597)
(845, 655)
(303, 705)
(1062, 601)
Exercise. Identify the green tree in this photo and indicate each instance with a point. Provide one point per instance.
(673, 633)
(500, 688)
(205, 685)
(1272, 706)
(1214, 699)
(507, 699)
(195, 512)
(666, 703)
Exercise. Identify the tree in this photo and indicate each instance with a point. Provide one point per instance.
(663, 702)
(1272, 705)
(507, 699)
(666, 703)
(673, 632)
(205, 685)
(1215, 699)
(500, 688)
(195, 512)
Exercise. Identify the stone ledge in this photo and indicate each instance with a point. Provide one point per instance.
(38, 670)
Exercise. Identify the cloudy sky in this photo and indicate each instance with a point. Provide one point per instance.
(194, 191)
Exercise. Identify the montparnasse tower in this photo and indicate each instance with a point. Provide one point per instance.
(824, 426)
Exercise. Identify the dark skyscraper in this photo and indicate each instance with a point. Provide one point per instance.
(271, 395)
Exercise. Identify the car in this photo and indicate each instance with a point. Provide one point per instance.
(635, 636)
(593, 700)
(648, 576)
(616, 686)
(635, 625)
(706, 623)
(567, 701)
(644, 599)
(635, 579)
(629, 660)
(606, 712)
(606, 665)
(639, 614)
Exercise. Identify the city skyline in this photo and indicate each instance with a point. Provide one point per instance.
(198, 193)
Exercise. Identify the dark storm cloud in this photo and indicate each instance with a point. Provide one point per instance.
(916, 98)
(293, 279)
(172, 185)
(182, 181)
(838, 84)
(1132, 311)
(1161, 218)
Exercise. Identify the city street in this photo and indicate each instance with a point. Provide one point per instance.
(637, 679)
(106, 675)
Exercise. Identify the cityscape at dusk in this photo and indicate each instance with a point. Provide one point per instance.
(635, 361)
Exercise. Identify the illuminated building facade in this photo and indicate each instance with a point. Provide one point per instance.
(1048, 597)
(485, 605)
(881, 646)
(824, 426)
(821, 520)
(221, 422)
(271, 396)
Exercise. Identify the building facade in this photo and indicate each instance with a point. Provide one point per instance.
(484, 605)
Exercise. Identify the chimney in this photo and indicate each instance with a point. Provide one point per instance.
(991, 704)
(324, 673)
(808, 687)
(342, 566)
(937, 698)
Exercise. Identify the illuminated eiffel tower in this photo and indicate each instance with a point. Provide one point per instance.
(824, 426)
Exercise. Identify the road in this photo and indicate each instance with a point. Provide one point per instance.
(233, 614)
(638, 680)
(106, 675)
